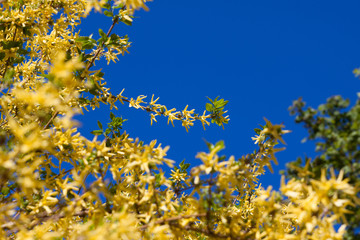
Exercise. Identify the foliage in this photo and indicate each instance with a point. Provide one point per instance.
(336, 129)
(56, 184)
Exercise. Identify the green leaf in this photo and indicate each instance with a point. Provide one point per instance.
(82, 39)
(97, 132)
(184, 166)
(126, 19)
(157, 180)
(209, 107)
(119, 6)
(257, 130)
(83, 100)
(106, 6)
(107, 131)
(100, 74)
(94, 92)
(19, 60)
(88, 45)
(221, 103)
(209, 145)
(112, 116)
(210, 100)
(10, 73)
(102, 34)
(99, 124)
(22, 51)
(10, 44)
(108, 13)
(5, 191)
(26, 31)
(2, 55)
(114, 36)
(220, 144)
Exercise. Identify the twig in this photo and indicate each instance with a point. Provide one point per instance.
(56, 217)
(99, 48)
(51, 119)
(44, 216)
(206, 232)
(8, 60)
(209, 202)
(172, 219)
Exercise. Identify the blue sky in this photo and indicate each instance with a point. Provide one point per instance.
(260, 55)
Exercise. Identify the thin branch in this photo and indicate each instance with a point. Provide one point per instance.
(58, 216)
(210, 203)
(8, 60)
(97, 52)
(172, 219)
(99, 48)
(210, 182)
(51, 119)
(44, 216)
(206, 232)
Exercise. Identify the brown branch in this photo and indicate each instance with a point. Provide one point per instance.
(100, 47)
(58, 216)
(51, 119)
(172, 219)
(97, 52)
(44, 216)
(8, 60)
(13, 39)
(210, 182)
(149, 109)
(205, 231)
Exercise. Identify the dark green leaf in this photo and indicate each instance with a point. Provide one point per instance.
(108, 13)
(107, 6)
(19, 60)
(100, 74)
(22, 51)
(26, 31)
(257, 130)
(10, 44)
(112, 116)
(83, 100)
(97, 132)
(99, 124)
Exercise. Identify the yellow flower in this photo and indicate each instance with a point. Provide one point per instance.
(177, 176)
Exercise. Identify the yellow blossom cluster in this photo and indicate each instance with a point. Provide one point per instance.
(57, 184)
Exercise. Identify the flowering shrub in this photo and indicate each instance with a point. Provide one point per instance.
(47, 76)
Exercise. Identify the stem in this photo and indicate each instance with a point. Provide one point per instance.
(207, 233)
(8, 60)
(99, 48)
(51, 119)
(210, 202)
(172, 219)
